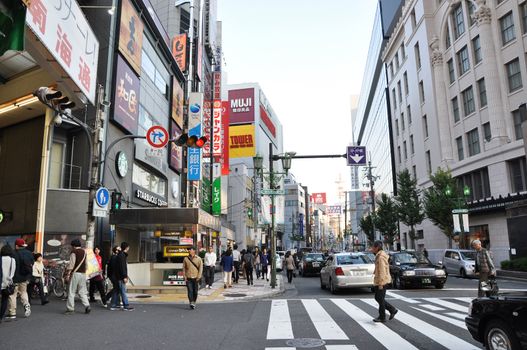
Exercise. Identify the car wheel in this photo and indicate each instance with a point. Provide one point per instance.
(322, 285)
(398, 282)
(332, 287)
(440, 285)
(463, 273)
(498, 336)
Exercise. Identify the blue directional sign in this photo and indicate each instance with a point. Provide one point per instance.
(356, 155)
(102, 196)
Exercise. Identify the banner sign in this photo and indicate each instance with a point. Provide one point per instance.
(241, 106)
(177, 103)
(217, 141)
(241, 141)
(216, 189)
(301, 224)
(264, 117)
(224, 159)
(319, 198)
(195, 115)
(179, 51)
(173, 277)
(334, 210)
(126, 100)
(65, 32)
(131, 35)
(176, 152)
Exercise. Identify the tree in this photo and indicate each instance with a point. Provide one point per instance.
(409, 206)
(440, 199)
(385, 218)
(366, 224)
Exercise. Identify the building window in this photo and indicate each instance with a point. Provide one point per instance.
(409, 113)
(391, 69)
(476, 47)
(149, 181)
(56, 165)
(428, 162)
(460, 153)
(412, 147)
(482, 91)
(514, 75)
(455, 109)
(405, 80)
(400, 92)
(459, 22)
(414, 171)
(518, 174)
(468, 101)
(463, 62)
(403, 52)
(478, 182)
(507, 28)
(394, 99)
(451, 72)
(473, 142)
(447, 37)
(399, 153)
(471, 10)
(413, 19)
(402, 121)
(396, 59)
(148, 66)
(417, 56)
(397, 127)
(486, 132)
(518, 120)
(524, 17)
(405, 151)
(425, 126)
(421, 92)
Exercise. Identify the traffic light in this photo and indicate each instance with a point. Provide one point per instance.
(191, 141)
(53, 99)
(116, 201)
(250, 213)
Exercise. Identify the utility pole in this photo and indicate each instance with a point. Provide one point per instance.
(371, 178)
(273, 235)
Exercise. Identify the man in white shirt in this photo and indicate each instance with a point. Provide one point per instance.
(236, 258)
(210, 266)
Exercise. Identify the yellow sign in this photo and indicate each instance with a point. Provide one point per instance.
(170, 251)
(242, 141)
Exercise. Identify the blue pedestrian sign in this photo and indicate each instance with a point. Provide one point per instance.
(102, 196)
(356, 155)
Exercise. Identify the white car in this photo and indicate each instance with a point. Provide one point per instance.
(347, 270)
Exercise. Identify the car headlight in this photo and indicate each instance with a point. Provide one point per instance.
(409, 273)
(440, 272)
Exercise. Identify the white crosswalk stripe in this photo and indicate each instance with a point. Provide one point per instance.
(443, 318)
(448, 304)
(324, 324)
(279, 321)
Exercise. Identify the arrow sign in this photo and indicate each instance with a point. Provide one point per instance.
(157, 136)
(356, 155)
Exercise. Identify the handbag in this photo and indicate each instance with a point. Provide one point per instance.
(10, 285)
(69, 273)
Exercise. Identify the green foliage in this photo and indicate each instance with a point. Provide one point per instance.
(440, 199)
(386, 218)
(519, 264)
(366, 224)
(409, 206)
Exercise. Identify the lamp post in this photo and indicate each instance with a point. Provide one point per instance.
(286, 165)
(460, 210)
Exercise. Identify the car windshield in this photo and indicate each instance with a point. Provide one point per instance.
(314, 257)
(352, 259)
(411, 258)
(468, 255)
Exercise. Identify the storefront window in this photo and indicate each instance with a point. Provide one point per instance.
(149, 181)
(149, 247)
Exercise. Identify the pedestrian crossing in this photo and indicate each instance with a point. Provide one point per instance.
(346, 324)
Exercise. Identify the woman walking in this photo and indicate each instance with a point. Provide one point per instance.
(8, 266)
(228, 265)
(290, 265)
(97, 282)
(257, 262)
(37, 279)
(264, 261)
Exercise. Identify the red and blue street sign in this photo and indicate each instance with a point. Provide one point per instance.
(157, 136)
(356, 155)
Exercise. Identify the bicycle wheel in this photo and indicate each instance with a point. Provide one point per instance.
(58, 288)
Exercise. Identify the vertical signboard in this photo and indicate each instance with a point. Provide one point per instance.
(195, 116)
(177, 103)
(241, 106)
(179, 51)
(62, 28)
(176, 152)
(131, 35)
(224, 160)
(216, 189)
(126, 101)
(216, 125)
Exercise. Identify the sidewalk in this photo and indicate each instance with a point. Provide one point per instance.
(238, 292)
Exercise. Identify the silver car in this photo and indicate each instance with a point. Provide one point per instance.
(459, 262)
(347, 270)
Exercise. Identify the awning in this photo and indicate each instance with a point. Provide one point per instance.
(166, 219)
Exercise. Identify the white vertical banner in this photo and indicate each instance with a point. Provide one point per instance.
(466, 227)
(457, 225)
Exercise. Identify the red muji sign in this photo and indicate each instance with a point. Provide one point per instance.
(157, 136)
(319, 198)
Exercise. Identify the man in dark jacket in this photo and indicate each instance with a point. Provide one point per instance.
(248, 261)
(110, 274)
(24, 269)
(119, 271)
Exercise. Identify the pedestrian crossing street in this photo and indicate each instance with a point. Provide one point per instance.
(346, 324)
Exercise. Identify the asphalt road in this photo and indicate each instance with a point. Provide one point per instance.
(428, 319)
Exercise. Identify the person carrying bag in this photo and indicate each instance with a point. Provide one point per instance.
(485, 270)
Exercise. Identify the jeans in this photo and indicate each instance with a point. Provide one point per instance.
(115, 289)
(97, 283)
(249, 273)
(120, 291)
(209, 275)
(21, 288)
(77, 286)
(3, 304)
(380, 294)
(264, 272)
(236, 271)
(192, 290)
(258, 268)
(290, 275)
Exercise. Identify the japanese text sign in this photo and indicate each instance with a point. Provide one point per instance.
(334, 210)
(126, 104)
(131, 35)
(319, 198)
(356, 155)
(225, 138)
(61, 26)
(217, 139)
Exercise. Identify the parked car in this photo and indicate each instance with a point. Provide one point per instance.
(459, 262)
(311, 264)
(499, 322)
(371, 256)
(347, 270)
(414, 269)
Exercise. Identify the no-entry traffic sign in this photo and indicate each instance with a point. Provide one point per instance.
(157, 136)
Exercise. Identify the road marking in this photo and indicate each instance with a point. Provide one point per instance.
(397, 296)
(279, 321)
(341, 347)
(448, 304)
(280, 348)
(465, 300)
(324, 324)
(384, 335)
(436, 334)
(432, 307)
(457, 315)
(443, 318)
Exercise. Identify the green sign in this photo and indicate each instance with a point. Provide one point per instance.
(270, 192)
(205, 194)
(460, 211)
(12, 25)
(216, 196)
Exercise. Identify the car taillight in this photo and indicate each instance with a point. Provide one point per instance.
(339, 271)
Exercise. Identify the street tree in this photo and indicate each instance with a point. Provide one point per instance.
(385, 218)
(366, 224)
(409, 206)
(440, 199)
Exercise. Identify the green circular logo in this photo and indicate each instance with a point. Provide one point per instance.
(1, 216)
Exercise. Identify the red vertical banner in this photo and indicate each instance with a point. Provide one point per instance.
(224, 160)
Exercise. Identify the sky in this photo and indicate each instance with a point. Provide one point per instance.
(308, 56)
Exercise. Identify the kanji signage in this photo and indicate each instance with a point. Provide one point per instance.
(224, 159)
(319, 198)
(334, 210)
(195, 114)
(126, 101)
(241, 106)
(179, 50)
(217, 140)
(61, 26)
(356, 155)
(131, 35)
(177, 103)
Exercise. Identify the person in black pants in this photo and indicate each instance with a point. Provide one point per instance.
(236, 257)
(97, 281)
(381, 280)
(110, 274)
(248, 261)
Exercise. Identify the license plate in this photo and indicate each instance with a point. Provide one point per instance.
(426, 281)
(316, 264)
(358, 273)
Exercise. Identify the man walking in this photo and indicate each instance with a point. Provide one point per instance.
(76, 272)
(192, 270)
(210, 266)
(381, 278)
(484, 266)
(120, 274)
(236, 259)
(248, 262)
(23, 271)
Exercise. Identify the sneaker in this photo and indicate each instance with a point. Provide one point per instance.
(128, 308)
(27, 310)
(45, 302)
(10, 317)
(192, 306)
(115, 308)
(224, 285)
(392, 314)
(69, 312)
(87, 310)
(378, 319)
(207, 286)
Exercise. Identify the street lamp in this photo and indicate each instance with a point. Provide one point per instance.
(460, 209)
